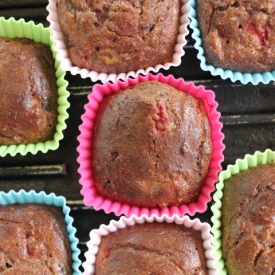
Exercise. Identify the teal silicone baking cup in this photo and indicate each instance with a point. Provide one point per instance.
(23, 197)
(244, 78)
(249, 161)
(12, 28)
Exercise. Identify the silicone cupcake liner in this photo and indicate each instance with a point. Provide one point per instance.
(249, 161)
(91, 198)
(95, 237)
(23, 197)
(103, 77)
(244, 78)
(12, 28)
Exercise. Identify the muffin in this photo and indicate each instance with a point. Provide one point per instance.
(234, 48)
(34, 240)
(151, 146)
(155, 245)
(243, 216)
(147, 138)
(139, 249)
(119, 39)
(37, 234)
(29, 92)
(248, 211)
(39, 115)
(237, 35)
(119, 36)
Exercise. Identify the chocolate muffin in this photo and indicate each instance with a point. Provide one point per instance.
(151, 146)
(34, 240)
(28, 92)
(238, 35)
(152, 248)
(248, 228)
(119, 36)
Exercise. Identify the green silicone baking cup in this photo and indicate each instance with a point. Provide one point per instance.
(12, 28)
(249, 161)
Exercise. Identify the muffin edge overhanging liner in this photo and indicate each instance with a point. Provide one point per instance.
(91, 198)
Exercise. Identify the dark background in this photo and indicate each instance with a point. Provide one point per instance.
(247, 113)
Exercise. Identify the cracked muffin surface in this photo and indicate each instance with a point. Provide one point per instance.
(238, 35)
(248, 228)
(152, 248)
(151, 146)
(117, 36)
(34, 240)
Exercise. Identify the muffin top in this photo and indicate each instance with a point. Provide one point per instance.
(238, 35)
(28, 92)
(119, 36)
(34, 240)
(152, 248)
(151, 146)
(248, 211)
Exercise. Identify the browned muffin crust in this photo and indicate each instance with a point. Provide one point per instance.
(33, 241)
(151, 146)
(248, 227)
(238, 34)
(28, 92)
(152, 248)
(116, 36)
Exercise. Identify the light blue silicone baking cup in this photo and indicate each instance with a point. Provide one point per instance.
(23, 197)
(244, 78)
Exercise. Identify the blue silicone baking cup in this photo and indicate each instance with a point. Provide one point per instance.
(244, 78)
(23, 197)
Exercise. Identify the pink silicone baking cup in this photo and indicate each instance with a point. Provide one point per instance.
(67, 65)
(92, 198)
(96, 234)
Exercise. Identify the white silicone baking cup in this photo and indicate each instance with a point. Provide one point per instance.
(96, 234)
(67, 65)
(244, 78)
